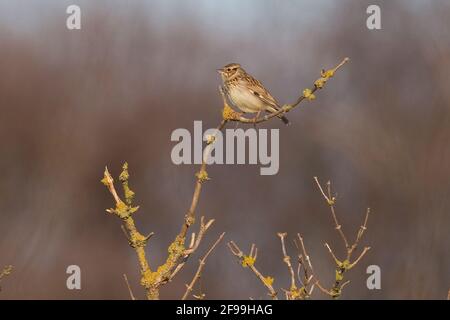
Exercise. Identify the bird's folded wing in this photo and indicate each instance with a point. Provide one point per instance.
(258, 90)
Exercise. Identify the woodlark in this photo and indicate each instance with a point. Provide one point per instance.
(247, 93)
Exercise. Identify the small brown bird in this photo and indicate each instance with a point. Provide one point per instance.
(247, 93)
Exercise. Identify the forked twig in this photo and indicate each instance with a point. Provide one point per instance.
(201, 265)
(346, 264)
(248, 261)
(287, 260)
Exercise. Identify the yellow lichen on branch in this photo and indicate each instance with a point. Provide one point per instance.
(307, 93)
(304, 280)
(177, 251)
(229, 114)
(249, 261)
(124, 211)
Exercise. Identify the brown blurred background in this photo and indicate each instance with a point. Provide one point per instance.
(74, 101)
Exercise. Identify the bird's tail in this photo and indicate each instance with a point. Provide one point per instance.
(284, 119)
(281, 116)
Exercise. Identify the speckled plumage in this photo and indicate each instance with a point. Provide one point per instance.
(247, 93)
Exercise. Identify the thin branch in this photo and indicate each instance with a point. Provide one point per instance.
(312, 289)
(236, 251)
(299, 269)
(307, 266)
(336, 260)
(202, 176)
(345, 265)
(287, 260)
(136, 239)
(304, 251)
(331, 200)
(125, 233)
(359, 258)
(321, 191)
(307, 94)
(326, 291)
(178, 254)
(109, 182)
(344, 284)
(195, 242)
(359, 234)
(175, 262)
(129, 287)
(202, 263)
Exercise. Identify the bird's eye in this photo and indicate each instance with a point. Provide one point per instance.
(228, 69)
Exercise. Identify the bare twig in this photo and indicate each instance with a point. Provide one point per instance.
(202, 176)
(345, 264)
(202, 263)
(359, 258)
(175, 262)
(344, 284)
(195, 242)
(287, 260)
(331, 201)
(336, 260)
(322, 288)
(129, 287)
(305, 254)
(359, 234)
(306, 264)
(305, 290)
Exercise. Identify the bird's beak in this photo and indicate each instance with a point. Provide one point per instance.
(220, 71)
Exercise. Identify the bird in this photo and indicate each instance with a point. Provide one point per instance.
(247, 93)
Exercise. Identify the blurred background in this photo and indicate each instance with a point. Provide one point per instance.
(74, 101)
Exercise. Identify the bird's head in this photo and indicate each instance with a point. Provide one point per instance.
(231, 71)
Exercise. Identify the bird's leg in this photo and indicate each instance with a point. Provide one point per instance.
(237, 122)
(256, 118)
